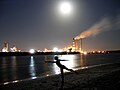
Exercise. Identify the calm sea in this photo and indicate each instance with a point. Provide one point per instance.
(18, 68)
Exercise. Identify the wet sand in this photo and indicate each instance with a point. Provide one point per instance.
(102, 77)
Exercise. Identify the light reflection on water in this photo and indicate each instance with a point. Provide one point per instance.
(14, 69)
(83, 60)
(72, 61)
(32, 68)
(17, 68)
(4, 67)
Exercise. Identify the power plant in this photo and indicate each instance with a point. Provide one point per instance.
(81, 46)
(5, 47)
(76, 45)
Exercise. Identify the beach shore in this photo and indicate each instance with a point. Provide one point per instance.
(102, 77)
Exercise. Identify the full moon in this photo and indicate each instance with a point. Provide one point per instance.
(65, 7)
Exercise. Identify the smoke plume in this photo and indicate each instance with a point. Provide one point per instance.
(104, 25)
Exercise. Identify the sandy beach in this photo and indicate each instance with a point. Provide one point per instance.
(102, 77)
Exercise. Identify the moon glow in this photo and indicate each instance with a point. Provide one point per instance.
(65, 7)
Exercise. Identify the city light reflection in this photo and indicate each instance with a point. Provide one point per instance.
(56, 69)
(4, 66)
(32, 68)
(14, 67)
(6, 83)
(69, 63)
(81, 60)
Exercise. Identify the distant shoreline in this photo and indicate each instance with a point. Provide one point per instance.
(36, 53)
(50, 53)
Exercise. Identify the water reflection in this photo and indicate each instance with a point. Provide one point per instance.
(71, 63)
(46, 66)
(22, 67)
(56, 69)
(71, 60)
(14, 68)
(32, 68)
(4, 67)
(74, 62)
(83, 61)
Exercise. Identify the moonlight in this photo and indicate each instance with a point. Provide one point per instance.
(65, 7)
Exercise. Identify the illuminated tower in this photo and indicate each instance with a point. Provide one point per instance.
(13, 49)
(5, 47)
(81, 44)
(75, 44)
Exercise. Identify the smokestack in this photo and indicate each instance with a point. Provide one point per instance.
(81, 44)
(75, 44)
(6, 45)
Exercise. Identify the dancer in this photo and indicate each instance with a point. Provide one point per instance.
(62, 66)
(61, 69)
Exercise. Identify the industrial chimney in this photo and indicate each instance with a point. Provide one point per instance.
(81, 44)
(75, 44)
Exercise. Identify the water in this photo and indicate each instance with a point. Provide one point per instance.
(16, 68)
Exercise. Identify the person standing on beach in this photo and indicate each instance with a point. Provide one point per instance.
(61, 70)
(62, 67)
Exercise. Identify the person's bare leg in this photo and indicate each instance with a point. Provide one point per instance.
(62, 78)
(70, 70)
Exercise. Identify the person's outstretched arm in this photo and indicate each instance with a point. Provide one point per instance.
(50, 62)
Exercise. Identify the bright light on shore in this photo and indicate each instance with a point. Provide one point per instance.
(55, 49)
(32, 51)
(85, 53)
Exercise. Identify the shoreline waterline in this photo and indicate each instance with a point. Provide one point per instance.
(97, 71)
(39, 77)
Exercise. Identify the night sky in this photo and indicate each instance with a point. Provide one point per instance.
(40, 24)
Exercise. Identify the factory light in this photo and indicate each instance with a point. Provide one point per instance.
(55, 49)
(4, 50)
(85, 53)
(32, 51)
